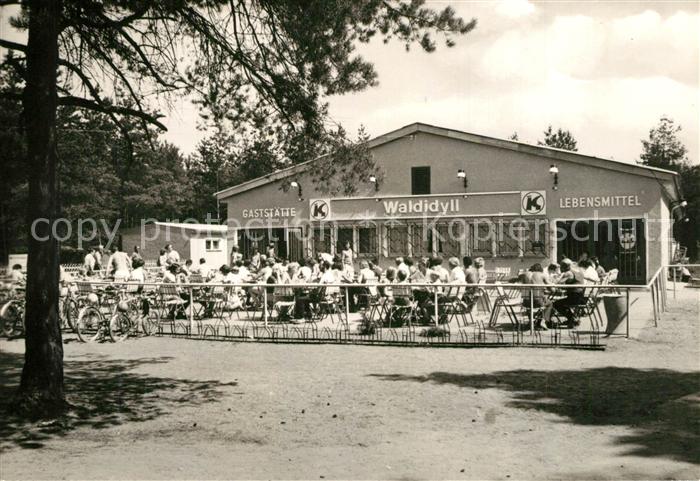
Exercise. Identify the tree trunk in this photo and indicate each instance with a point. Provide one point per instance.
(41, 388)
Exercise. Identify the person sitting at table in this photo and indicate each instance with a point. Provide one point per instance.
(456, 275)
(17, 277)
(536, 297)
(401, 265)
(374, 265)
(304, 272)
(480, 266)
(570, 275)
(590, 276)
(600, 270)
(187, 268)
(436, 267)
(419, 272)
(137, 274)
(553, 273)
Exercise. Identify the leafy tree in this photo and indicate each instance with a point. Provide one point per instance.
(285, 54)
(663, 149)
(561, 139)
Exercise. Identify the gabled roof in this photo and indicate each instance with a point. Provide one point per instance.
(538, 150)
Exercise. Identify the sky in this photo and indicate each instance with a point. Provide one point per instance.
(606, 71)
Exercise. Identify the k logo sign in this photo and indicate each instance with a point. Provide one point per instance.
(533, 202)
(320, 209)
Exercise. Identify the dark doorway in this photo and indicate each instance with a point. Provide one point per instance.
(618, 244)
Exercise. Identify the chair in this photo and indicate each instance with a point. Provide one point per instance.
(282, 306)
(589, 308)
(503, 301)
(454, 306)
(402, 306)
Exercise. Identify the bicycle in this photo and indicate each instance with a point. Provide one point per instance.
(12, 315)
(115, 316)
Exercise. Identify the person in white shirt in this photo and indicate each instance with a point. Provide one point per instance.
(235, 255)
(89, 261)
(457, 275)
(243, 271)
(255, 262)
(324, 257)
(347, 256)
(305, 272)
(402, 267)
(137, 274)
(16, 275)
(590, 276)
(204, 269)
(171, 255)
(271, 250)
(479, 265)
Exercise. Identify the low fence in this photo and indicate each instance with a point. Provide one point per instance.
(504, 315)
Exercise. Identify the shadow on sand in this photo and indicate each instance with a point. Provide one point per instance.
(662, 407)
(104, 392)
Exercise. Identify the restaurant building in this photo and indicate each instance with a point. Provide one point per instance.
(450, 193)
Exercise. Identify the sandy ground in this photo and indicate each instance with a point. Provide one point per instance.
(162, 408)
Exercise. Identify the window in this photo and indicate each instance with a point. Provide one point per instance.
(322, 240)
(535, 243)
(367, 239)
(211, 245)
(481, 238)
(421, 241)
(420, 180)
(510, 236)
(397, 239)
(449, 238)
(345, 234)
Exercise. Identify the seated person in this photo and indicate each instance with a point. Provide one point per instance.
(537, 296)
(590, 276)
(570, 275)
(17, 277)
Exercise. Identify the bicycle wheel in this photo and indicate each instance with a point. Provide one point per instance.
(89, 324)
(120, 326)
(69, 313)
(11, 318)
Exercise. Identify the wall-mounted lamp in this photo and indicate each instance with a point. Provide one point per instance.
(373, 179)
(461, 174)
(554, 171)
(296, 185)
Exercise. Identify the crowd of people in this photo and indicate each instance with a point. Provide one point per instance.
(368, 279)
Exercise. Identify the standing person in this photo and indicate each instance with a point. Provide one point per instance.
(255, 260)
(271, 250)
(98, 254)
(89, 262)
(162, 259)
(235, 255)
(347, 256)
(119, 264)
(172, 256)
